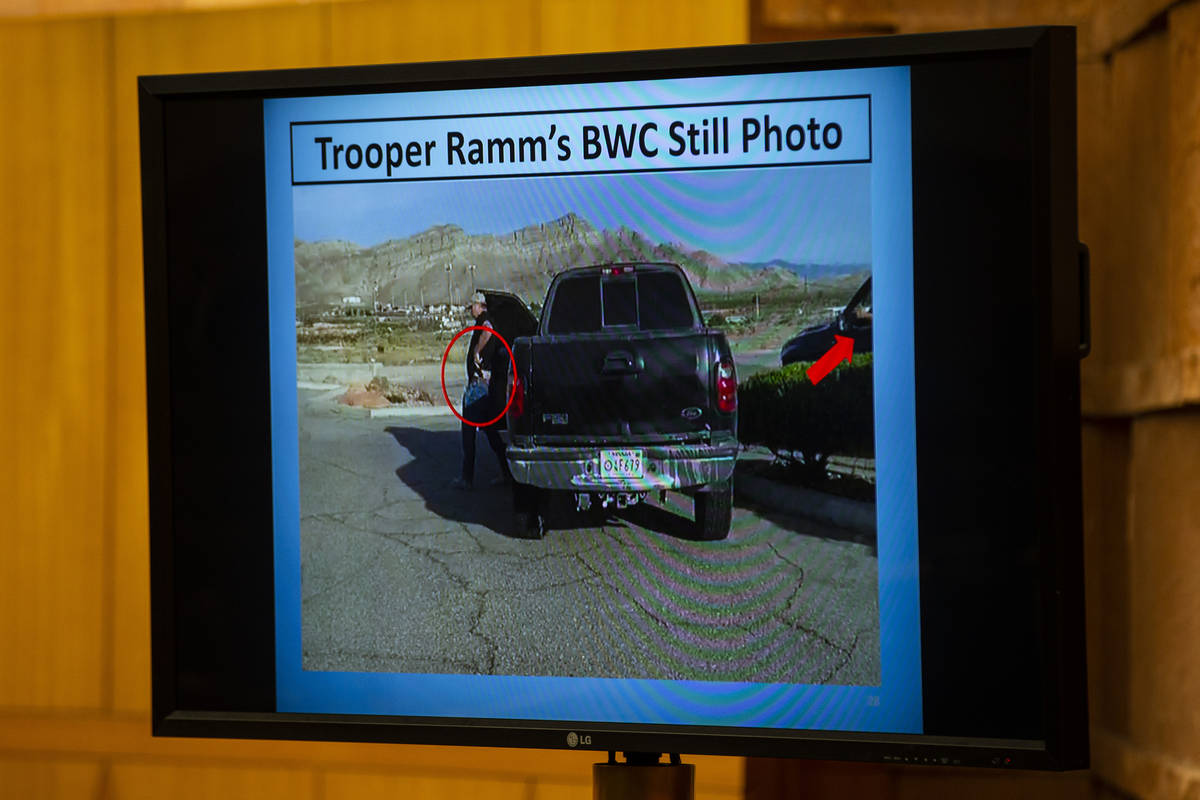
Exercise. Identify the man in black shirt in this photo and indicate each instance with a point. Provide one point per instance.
(477, 404)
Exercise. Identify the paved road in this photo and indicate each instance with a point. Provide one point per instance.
(402, 573)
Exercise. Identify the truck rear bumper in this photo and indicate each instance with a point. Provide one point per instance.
(578, 468)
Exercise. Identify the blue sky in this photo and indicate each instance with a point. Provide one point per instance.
(812, 214)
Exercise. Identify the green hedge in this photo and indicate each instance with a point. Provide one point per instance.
(781, 409)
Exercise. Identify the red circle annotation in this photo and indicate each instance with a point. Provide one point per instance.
(512, 392)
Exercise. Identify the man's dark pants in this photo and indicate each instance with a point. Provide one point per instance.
(480, 411)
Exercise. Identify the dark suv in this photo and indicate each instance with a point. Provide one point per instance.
(853, 321)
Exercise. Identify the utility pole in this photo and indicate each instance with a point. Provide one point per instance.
(449, 299)
(472, 268)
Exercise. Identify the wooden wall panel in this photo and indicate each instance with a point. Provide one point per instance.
(1138, 261)
(137, 781)
(544, 790)
(1183, 199)
(581, 789)
(1104, 26)
(44, 779)
(1164, 584)
(574, 27)
(941, 15)
(1140, 214)
(1112, 24)
(57, 8)
(356, 785)
(48, 9)
(918, 783)
(382, 32)
(55, 224)
(865, 17)
(770, 779)
(1133, 771)
(216, 41)
(16, 9)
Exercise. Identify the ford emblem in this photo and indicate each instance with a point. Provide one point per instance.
(691, 412)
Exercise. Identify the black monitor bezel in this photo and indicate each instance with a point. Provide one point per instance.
(1052, 370)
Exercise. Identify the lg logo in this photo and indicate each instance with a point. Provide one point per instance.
(574, 739)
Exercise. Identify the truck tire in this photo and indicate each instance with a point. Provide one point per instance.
(714, 512)
(527, 512)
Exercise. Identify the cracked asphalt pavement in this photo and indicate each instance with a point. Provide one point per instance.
(402, 573)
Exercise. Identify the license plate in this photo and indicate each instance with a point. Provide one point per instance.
(621, 463)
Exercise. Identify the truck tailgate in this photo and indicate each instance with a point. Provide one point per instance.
(648, 386)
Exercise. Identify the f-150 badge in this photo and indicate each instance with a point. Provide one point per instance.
(555, 419)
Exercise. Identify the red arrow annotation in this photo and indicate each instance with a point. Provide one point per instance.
(842, 350)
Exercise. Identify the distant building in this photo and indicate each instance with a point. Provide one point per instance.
(353, 306)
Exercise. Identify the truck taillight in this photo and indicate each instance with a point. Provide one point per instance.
(517, 391)
(726, 387)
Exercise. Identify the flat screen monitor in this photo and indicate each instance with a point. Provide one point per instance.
(545, 402)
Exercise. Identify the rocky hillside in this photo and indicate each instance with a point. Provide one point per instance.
(413, 270)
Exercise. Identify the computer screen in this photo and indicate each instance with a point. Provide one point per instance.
(546, 401)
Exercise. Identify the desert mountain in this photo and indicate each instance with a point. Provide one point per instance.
(413, 270)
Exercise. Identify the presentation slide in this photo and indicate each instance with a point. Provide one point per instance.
(583, 409)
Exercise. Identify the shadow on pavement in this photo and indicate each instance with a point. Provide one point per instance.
(561, 515)
(660, 520)
(436, 461)
(796, 523)
(787, 509)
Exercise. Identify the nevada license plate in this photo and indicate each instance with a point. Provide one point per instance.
(621, 463)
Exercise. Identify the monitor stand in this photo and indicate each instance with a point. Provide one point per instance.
(642, 777)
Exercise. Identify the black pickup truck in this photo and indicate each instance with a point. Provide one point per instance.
(623, 391)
